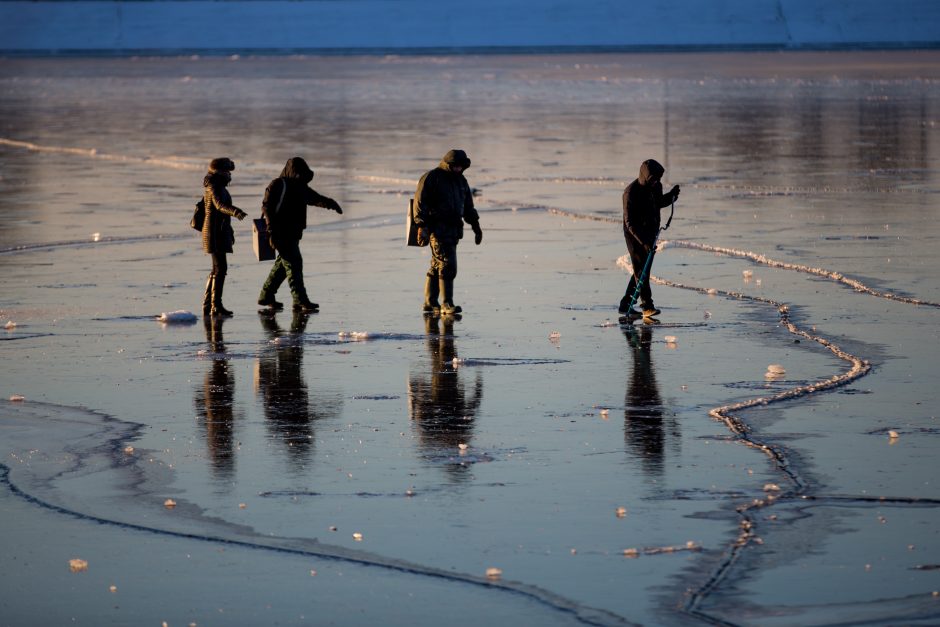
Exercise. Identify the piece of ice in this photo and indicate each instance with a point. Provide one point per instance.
(177, 317)
(78, 565)
(169, 503)
(605, 414)
(17, 398)
(9, 325)
(712, 291)
(707, 315)
(113, 588)
(554, 335)
(494, 573)
(670, 339)
(462, 446)
(776, 369)
(621, 512)
(128, 450)
(95, 237)
(893, 434)
(748, 274)
(631, 553)
(357, 537)
(771, 487)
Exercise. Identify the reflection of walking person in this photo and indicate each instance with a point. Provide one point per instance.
(642, 200)
(443, 202)
(215, 401)
(217, 234)
(440, 405)
(643, 412)
(285, 212)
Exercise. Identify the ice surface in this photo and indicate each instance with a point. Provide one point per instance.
(789, 163)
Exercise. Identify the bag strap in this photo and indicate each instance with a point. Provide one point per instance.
(283, 191)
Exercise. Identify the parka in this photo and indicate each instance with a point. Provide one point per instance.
(287, 218)
(217, 233)
(641, 204)
(444, 199)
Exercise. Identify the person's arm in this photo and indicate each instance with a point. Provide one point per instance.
(272, 195)
(318, 200)
(664, 200)
(629, 220)
(470, 214)
(222, 201)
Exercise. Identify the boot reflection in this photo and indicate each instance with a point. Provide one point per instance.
(214, 403)
(439, 402)
(643, 413)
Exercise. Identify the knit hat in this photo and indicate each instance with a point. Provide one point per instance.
(221, 164)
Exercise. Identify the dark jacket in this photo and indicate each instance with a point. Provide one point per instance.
(217, 233)
(641, 204)
(290, 219)
(444, 200)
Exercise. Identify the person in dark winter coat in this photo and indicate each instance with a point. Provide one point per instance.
(642, 201)
(285, 212)
(443, 202)
(217, 234)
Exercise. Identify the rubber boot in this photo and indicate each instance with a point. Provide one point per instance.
(432, 289)
(218, 284)
(207, 297)
(447, 295)
(268, 301)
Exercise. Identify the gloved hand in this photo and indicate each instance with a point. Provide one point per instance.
(240, 214)
(477, 233)
(675, 193)
(335, 207)
(423, 237)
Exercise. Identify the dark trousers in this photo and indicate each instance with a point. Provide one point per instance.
(288, 265)
(638, 260)
(219, 265)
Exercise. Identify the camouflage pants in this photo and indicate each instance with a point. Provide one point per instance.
(443, 258)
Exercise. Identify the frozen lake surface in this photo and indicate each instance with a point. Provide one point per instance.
(612, 476)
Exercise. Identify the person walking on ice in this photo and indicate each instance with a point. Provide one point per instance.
(642, 201)
(443, 202)
(285, 212)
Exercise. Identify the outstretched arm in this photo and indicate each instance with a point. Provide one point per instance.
(318, 200)
(222, 201)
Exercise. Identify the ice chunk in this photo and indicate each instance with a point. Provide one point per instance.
(9, 325)
(621, 512)
(357, 537)
(78, 565)
(893, 434)
(177, 317)
(554, 335)
(670, 339)
(711, 291)
(169, 503)
(16, 398)
(776, 369)
(494, 573)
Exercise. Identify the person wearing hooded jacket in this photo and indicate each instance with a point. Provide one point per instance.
(217, 234)
(642, 201)
(285, 212)
(443, 202)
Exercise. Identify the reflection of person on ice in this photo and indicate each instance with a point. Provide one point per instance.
(642, 201)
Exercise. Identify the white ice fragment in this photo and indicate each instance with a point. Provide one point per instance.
(462, 446)
(494, 573)
(78, 565)
(169, 503)
(776, 369)
(757, 282)
(9, 325)
(113, 588)
(670, 339)
(456, 362)
(554, 335)
(357, 537)
(95, 237)
(711, 291)
(893, 434)
(177, 317)
(354, 335)
(621, 512)
(707, 315)
(631, 553)
(128, 450)
(608, 323)
(605, 414)
(747, 274)
(771, 487)
(17, 398)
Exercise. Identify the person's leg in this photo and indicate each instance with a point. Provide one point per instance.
(294, 268)
(272, 283)
(207, 296)
(637, 260)
(646, 294)
(219, 270)
(444, 255)
(432, 289)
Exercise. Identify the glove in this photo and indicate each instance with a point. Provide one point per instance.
(675, 193)
(477, 233)
(423, 238)
(240, 214)
(335, 207)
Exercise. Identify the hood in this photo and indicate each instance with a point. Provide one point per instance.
(650, 168)
(220, 172)
(455, 157)
(297, 168)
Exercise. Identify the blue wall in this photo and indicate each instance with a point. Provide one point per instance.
(68, 26)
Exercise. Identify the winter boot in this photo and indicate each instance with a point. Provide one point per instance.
(649, 310)
(207, 297)
(218, 284)
(305, 306)
(432, 289)
(447, 295)
(268, 301)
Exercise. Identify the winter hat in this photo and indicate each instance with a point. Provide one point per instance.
(221, 164)
(456, 157)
